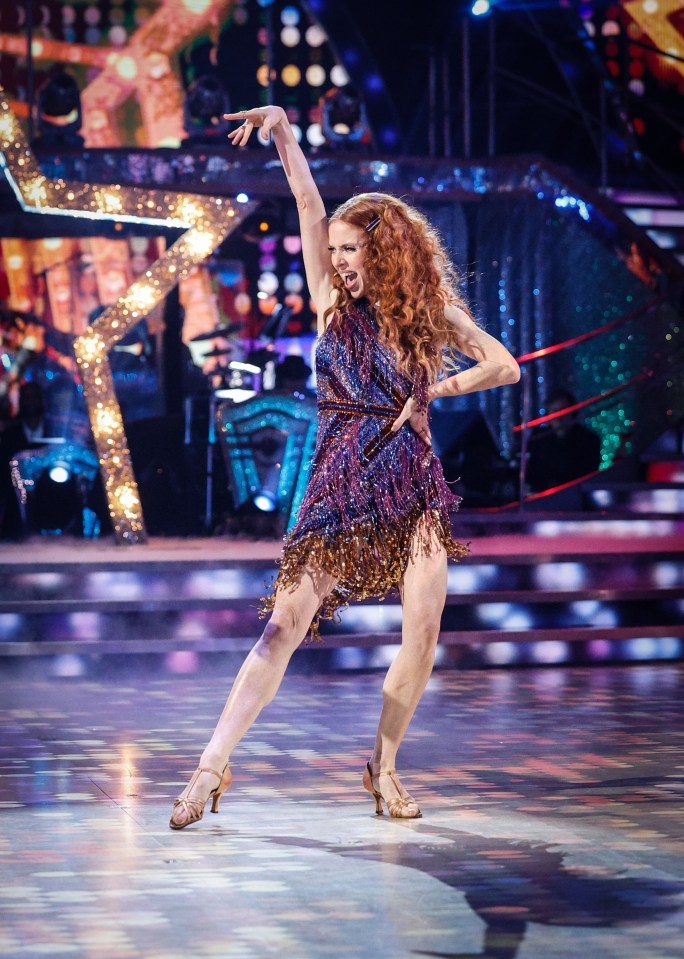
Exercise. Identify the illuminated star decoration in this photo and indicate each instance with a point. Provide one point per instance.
(657, 20)
(207, 220)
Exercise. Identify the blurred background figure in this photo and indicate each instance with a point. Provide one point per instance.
(23, 432)
(292, 375)
(562, 451)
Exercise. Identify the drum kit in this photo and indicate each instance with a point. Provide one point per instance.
(235, 380)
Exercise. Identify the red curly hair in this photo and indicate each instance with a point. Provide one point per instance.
(411, 278)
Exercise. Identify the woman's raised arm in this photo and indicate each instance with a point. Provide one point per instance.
(313, 222)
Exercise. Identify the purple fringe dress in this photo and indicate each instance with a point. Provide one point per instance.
(369, 489)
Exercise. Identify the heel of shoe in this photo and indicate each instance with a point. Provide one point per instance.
(368, 786)
(226, 780)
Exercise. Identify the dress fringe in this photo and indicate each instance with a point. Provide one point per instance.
(368, 561)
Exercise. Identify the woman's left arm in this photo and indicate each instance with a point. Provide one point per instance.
(494, 365)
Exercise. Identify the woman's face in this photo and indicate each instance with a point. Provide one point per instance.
(346, 244)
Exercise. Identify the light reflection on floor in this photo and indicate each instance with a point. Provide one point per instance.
(552, 820)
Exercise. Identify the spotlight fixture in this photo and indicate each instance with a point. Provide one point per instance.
(343, 117)
(264, 501)
(481, 8)
(59, 112)
(57, 504)
(206, 101)
(60, 473)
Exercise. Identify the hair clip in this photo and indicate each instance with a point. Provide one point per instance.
(373, 223)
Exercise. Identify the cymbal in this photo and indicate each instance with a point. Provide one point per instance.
(260, 357)
(217, 352)
(227, 330)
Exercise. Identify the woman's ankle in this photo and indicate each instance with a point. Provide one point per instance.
(381, 764)
(211, 759)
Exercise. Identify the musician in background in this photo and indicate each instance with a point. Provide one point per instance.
(6, 415)
(25, 431)
(564, 450)
(292, 375)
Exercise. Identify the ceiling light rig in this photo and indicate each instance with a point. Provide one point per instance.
(207, 220)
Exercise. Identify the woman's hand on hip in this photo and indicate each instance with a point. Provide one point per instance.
(264, 118)
(417, 420)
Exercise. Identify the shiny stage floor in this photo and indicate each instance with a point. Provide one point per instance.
(552, 826)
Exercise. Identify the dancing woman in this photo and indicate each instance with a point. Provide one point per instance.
(376, 513)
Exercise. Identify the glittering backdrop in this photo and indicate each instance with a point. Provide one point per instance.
(207, 221)
(544, 278)
(587, 312)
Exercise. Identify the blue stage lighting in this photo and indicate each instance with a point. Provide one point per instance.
(265, 501)
(481, 8)
(242, 198)
(59, 473)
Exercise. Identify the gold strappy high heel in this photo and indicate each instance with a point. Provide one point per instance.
(402, 806)
(192, 810)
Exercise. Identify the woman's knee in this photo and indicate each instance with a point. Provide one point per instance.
(282, 629)
(423, 638)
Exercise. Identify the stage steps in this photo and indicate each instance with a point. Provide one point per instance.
(660, 215)
(96, 599)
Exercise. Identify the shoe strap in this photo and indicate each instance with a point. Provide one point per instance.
(405, 796)
(208, 769)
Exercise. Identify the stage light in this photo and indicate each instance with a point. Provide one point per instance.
(566, 201)
(315, 75)
(56, 506)
(59, 112)
(206, 102)
(59, 473)
(550, 652)
(600, 649)
(501, 653)
(667, 575)
(646, 648)
(374, 619)
(290, 16)
(315, 35)
(265, 501)
(343, 116)
(242, 198)
(560, 576)
(481, 8)
(314, 135)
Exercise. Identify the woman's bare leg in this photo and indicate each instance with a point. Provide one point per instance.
(423, 598)
(262, 671)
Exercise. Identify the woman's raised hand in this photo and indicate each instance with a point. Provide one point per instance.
(263, 117)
